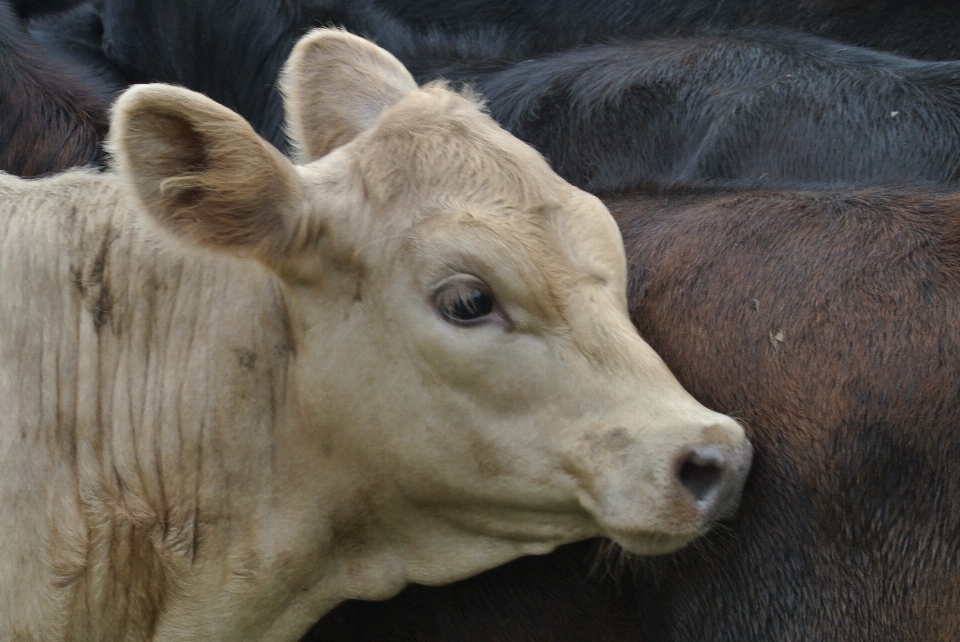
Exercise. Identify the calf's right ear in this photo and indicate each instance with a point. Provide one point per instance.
(203, 173)
(335, 85)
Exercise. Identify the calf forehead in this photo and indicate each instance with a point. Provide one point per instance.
(435, 145)
(560, 244)
(435, 155)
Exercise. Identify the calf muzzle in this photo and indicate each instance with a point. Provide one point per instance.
(654, 497)
(712, 477)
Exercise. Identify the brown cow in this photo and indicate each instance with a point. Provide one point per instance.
(829, 323)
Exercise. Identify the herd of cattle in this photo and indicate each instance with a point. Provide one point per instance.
(454, 382)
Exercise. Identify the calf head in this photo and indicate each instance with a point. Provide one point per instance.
(463, 344)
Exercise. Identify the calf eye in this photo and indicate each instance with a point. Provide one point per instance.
(464, 301)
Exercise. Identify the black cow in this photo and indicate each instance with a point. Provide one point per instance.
(829, 323)
(76, 35)
(927, 29)
(26, 9)
(231, 51)
(766, 107)
(760, 106)
(53, 114)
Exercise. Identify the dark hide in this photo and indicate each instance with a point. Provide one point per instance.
(927, 29)
(230, 51)
(76, 36)
(829, 323)
(30, 8)
(52, 114)
(769, 108)
(772, 108)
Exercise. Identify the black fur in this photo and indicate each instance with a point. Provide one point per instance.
(766, 107)
(769, 108)
(75, 37)
(53, 115)
(230, 51)
(26, 9)
(928, 29)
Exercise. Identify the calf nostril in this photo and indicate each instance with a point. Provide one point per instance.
(700, 473)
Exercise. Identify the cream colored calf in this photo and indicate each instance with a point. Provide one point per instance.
(235, 391)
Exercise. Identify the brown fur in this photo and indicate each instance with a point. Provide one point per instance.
(849, 515)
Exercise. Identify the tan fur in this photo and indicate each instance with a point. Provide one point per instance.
(326, 107)
(228, 403)
(201, 167)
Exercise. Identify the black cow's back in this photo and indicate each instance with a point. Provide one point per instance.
(925, 29)
(756, 107)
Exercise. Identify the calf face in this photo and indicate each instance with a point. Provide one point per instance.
(463, 350)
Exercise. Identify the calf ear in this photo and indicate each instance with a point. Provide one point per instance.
(202, 172)
(335, 85)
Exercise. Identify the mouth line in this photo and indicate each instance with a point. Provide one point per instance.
(652, 543)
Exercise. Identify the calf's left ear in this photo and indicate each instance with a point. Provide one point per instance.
(202, 171)
(335, 86)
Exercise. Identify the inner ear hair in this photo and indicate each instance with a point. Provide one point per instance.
(202, 171)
